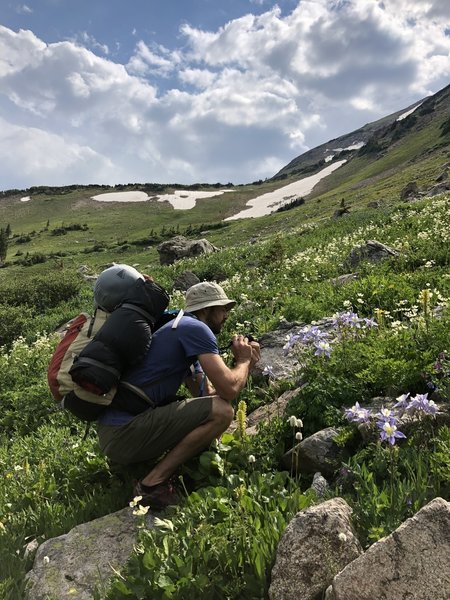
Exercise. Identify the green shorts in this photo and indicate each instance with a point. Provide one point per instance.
(153, 432)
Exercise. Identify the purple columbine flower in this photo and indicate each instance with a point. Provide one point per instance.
(357, 414)
(402, 403)
(421, 403)
(386, 415)
(390, 433)
(292, 340)
(268, 370)
(323, 348)
(348, 318)
(370, 323)
(312, 334)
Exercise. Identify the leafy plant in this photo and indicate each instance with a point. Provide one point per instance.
(220, 544)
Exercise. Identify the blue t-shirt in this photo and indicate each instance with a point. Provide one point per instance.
(167, 363)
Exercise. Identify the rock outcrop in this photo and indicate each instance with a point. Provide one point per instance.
(266, 413)
(412, 562)
(73, 565)
(180, 247)
(316, 545)
(372, 250)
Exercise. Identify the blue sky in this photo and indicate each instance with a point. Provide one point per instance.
(115, 91)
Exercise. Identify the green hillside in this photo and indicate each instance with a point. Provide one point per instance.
(389, 337)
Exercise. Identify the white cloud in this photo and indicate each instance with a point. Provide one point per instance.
(158, 61)
(234, 104)
(44, 158)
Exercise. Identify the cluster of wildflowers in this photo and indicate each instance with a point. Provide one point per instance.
(310, 336)
(321, 341)
(387, 419)
(296, 423)
(418, 404)
(350, 320)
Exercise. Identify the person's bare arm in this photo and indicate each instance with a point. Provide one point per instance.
(229, 382)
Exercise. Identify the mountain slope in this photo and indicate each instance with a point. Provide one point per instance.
(373, 137)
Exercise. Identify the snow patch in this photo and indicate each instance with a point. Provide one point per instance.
(180, 200)
(407, 113)
(184, 199)
(262, 205)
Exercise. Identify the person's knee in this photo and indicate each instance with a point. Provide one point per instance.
(222, 412)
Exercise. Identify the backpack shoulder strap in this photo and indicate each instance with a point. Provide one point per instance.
(139, 310)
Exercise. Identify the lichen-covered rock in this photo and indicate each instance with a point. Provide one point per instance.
(315, 546)
(413, 562)
(73, 565)
(372, 251)
(180, 247)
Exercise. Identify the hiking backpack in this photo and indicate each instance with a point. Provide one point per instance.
(86, 368)
(78, 333)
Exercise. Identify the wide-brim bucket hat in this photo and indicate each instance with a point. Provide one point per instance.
(206, 294)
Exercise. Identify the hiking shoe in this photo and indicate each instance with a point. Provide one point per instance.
(157, 497)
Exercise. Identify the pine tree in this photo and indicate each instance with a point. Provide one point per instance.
(3, 244)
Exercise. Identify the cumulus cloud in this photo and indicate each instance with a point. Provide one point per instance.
(42, 157)
(159, 61)
(234, 104)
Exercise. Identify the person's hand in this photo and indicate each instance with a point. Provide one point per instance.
(244, 351)
(256, 353)
(241, 349)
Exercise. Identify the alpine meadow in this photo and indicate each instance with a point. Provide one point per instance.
(347, 288)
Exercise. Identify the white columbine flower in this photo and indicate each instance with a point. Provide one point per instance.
(140, 511)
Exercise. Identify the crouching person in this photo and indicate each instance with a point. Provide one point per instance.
(182, 351)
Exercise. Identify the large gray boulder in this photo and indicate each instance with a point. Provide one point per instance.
(180, 247)
(316, 545)
(372, 251)
(410, 191)
(73, 565)
(413, 562)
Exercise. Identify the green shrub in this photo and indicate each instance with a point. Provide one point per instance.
(40, 292)
(15, 321)
(219, 544)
